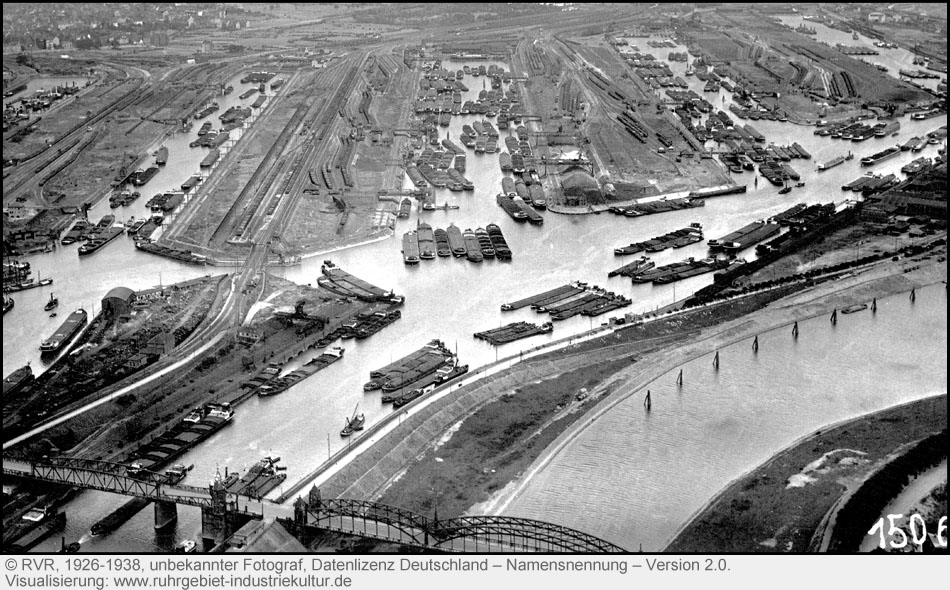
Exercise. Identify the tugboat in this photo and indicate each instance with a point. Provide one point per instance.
(52, 303)
(353, 424)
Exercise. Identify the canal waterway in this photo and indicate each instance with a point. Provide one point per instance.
(448, 299)
(635, 476)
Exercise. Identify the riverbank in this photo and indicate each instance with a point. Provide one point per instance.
(778, 506)
(399, 466)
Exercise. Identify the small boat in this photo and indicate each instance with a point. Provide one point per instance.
(52, 303)
(353, 424)
(186, 546)
(52, 315)
(855, 308)
(785, 190)
(800, 184)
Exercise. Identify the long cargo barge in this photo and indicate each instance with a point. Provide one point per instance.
(680, 270)
(661, 206)
(835, 162)
(746, 236)
(533, 216)
(440, 377)
(182, 255)
(881, 156)
(542, 306)
(674, 239)
(75, 322)
(338, 281)
(248, 93)
(513, 210)
(258, 102)
(261, 478)
(142, 177)
(532, 300)
(513, 331)
(473, 251)
(426, 241)
(200, 424)
(210, 159)
(103, 238)
(456, 241)
(191, 183)
(432, 347)
(630, 269)
(17, 380)
(118, 517)
(410, 248)
(502, 251)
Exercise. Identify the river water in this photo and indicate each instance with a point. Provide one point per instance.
(635, 476)
(448, 299)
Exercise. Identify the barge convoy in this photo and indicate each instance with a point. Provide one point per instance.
(674, 239)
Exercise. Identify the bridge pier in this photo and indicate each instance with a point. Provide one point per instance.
(217, 521)
(165, 514)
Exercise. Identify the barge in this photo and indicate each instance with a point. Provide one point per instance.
(633, 268)
(410, 247)
(103, 238)
(456, 241)
(528, 301)
(835, 162)
(260, 479)
(426, 241)
(881, 156)
(514, 211)
(746, 236)
(73, 324)
(336, 280)
(513, 331)
(161, 157)
(502, 251)
(472, 250)
(674, 239)
(210, 159)
(680, 270)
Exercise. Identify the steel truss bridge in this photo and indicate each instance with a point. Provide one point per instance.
(470, 534)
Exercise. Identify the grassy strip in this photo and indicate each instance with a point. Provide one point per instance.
(758, 513)
(498, 441)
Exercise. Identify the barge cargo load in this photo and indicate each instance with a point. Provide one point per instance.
(513, 331)
(746, 236)
(881, 156)
(336, 280)
(210, 159)
(73, 324)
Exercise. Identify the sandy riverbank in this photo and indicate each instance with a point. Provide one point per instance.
(760, 511)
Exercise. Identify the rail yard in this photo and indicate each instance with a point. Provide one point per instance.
(264, 201)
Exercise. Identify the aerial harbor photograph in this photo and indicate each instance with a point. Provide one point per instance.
(465, 278)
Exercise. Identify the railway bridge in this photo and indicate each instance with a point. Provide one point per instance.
(222, 512)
